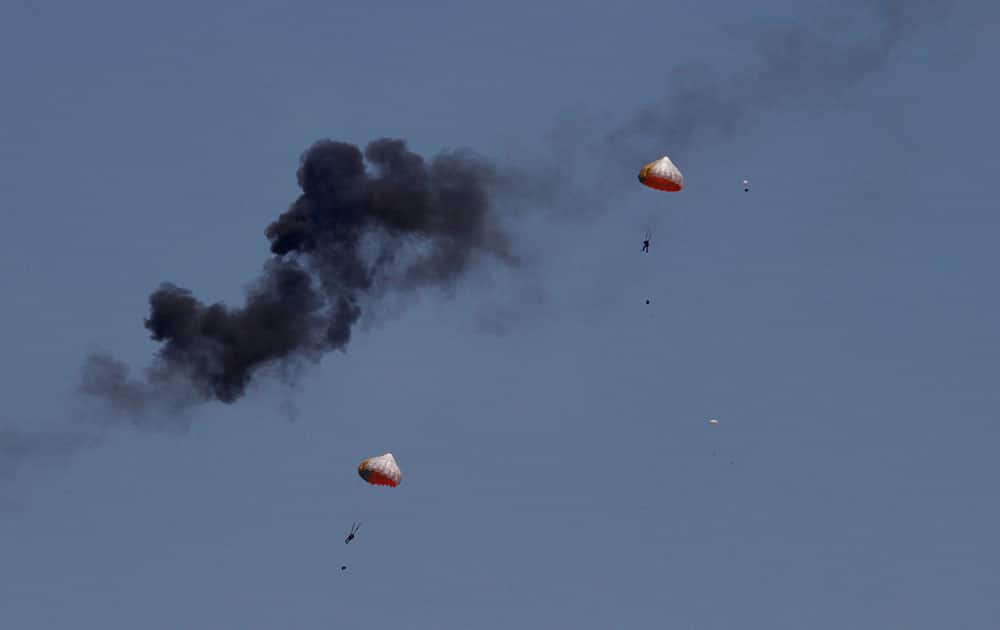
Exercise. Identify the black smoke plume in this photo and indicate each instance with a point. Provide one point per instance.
(358, 229)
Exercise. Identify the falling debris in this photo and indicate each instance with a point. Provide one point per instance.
(343, 567)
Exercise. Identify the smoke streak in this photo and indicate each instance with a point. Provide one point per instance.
(386, 220)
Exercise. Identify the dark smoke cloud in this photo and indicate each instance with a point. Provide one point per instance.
(365, 224)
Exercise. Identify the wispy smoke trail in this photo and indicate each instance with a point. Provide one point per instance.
(795, 66)
(17, 448)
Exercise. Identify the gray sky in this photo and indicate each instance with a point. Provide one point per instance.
(839, 319)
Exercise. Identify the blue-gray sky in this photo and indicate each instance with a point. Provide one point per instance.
(839, 320)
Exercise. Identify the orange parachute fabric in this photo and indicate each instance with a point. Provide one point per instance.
(381, 471)
(662, 174)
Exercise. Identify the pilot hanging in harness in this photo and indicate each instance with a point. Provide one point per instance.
(353, 533)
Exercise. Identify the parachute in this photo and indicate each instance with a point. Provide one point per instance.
(713, 421)
(662, 174)
(381, 471)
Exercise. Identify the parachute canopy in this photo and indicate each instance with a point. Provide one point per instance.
(713, 421)
(662, 175)
(381, 471)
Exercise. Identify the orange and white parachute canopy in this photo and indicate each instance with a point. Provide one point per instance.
(381, 471)
(662, 174)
